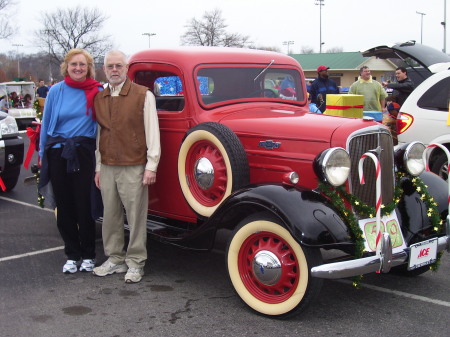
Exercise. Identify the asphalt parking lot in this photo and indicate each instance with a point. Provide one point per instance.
(185, 293)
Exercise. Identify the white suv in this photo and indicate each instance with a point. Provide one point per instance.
(425, 117)
(425, 113)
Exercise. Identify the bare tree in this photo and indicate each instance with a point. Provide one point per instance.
(211, 31)
(307, 50)
(6, 29)
(70, 28)
(335, 50)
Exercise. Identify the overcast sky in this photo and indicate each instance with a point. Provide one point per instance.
(353, 25)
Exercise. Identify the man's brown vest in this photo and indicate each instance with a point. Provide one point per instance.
(122, 135)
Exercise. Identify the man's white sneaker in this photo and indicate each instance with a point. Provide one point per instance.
(134, 275)
(71, 267)
(108, 268)
(87, 265)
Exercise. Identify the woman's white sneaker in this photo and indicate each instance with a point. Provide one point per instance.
(87, 265)
(71, 267)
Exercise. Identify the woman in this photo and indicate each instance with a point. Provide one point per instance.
(27, 101)
(67, 146)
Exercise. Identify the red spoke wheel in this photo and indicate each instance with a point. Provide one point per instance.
(269, 270)
(212, 164)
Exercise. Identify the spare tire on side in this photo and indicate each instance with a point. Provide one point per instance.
(212, 164)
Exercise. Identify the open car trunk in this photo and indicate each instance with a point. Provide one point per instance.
(421, 61)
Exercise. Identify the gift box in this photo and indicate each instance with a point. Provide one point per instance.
(345, 105)
(377, 115)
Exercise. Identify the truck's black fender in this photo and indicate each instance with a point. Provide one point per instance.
(412, 211)
(308, 216)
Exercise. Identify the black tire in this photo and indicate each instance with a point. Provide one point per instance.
(220, 149)
(10, 178)
(440, 166)
(279, 292)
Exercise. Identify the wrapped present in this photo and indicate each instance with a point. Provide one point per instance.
(345, 105)
(376, 115)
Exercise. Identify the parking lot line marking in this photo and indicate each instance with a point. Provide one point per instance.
(43, 251)
(400, 293)
(27, 204)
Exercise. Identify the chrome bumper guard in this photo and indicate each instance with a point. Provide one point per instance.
(383, 262)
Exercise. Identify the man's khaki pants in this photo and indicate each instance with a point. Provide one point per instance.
(122, 185)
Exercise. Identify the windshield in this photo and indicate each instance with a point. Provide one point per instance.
(226, 83)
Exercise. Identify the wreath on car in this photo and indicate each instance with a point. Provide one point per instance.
(338, 196)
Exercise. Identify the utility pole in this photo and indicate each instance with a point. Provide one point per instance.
(18, 60)
(149, 36)
(320, 3)
(421, 25)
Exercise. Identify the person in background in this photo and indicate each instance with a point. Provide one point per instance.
(42, 90)
(14, 99)
(373, 92)
(27, 103)
(124, 172)
(4, 103)
(308, 86)
(67, 152)
(403, 87)
(322, 86)
(312, 106)
(390, 117)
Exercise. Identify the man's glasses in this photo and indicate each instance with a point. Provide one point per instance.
(117, 66)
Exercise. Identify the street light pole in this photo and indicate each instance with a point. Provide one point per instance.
(18, 60)
(320, 3)
(149, 36)
(288, 43)
(444, 24)
(421, 25)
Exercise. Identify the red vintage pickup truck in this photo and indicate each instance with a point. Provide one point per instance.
(247, 170)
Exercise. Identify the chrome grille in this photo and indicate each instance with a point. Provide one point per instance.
(360, 143)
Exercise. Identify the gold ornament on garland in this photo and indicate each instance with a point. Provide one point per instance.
(338, 196)
(38, 109)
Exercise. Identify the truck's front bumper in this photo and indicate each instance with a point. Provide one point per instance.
(11, 152)
(383, 262)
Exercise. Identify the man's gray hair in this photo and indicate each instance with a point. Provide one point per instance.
(116, 52)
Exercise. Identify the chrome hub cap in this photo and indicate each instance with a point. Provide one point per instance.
(204, 173)
(267, 267)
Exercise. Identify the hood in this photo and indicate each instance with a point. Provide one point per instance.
(432, 59)
(279, 124)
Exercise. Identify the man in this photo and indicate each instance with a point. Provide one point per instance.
(322, 86)
(128, 153)
(403, 87)
(42, 90)
(373, 92)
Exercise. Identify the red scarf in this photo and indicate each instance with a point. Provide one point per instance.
(90, 87)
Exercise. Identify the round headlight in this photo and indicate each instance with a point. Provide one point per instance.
(413, 158)
(334, 165)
